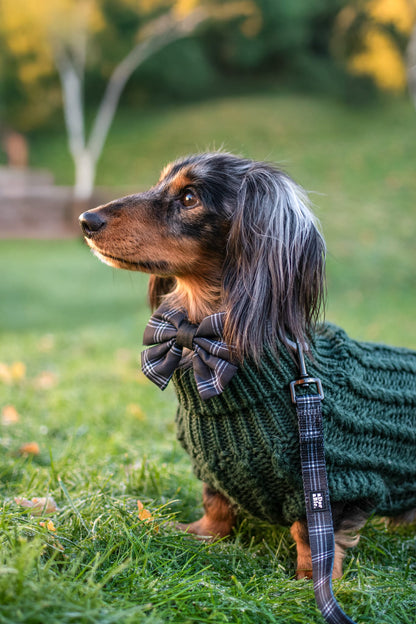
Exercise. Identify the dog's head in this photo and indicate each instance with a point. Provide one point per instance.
(229, 224)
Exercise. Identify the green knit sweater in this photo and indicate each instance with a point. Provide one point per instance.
(244, 442)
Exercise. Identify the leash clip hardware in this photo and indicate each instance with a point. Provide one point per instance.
(305, 379)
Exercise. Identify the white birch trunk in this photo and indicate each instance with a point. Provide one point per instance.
(71, 67)
(156, 36)
(85, 170)
(72, 76)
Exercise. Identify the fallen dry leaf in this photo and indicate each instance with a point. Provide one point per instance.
(9, 415)
(45, 381)
(49, 525)
(38, 506)
(14, 372)
(17, 371)
(30, 448)
(53, 540)
(144, 514)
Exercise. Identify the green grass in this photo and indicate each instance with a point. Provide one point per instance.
(106, 435)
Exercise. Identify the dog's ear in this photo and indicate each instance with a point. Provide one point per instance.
(274, 275)
(158, 287)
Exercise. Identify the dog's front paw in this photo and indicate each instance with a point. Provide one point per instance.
(205, 530)
(303, 573)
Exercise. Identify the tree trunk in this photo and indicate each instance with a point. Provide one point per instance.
(411, 65)
(84, 175)
(71, 67)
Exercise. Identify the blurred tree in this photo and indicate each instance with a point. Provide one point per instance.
(64, 34)
(291, 42)
(84, 52)
(372, 36)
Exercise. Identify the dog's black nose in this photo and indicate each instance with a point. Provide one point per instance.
(91, 222)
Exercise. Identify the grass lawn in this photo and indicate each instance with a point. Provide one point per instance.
(70, 337)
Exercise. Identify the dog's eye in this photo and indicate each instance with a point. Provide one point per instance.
(189, 199)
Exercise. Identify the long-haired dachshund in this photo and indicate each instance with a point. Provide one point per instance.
(234, 238)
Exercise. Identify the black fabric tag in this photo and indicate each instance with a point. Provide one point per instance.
(318, 501)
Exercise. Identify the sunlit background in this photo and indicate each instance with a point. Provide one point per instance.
(96, 96)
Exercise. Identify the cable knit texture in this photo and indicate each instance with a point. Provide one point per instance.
(244, 442)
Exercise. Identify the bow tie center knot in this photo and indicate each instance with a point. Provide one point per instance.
(185, 335)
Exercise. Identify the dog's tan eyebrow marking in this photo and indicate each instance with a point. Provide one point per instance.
(179, 182)
(165, 171)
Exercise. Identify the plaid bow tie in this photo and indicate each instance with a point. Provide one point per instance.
(169, 331)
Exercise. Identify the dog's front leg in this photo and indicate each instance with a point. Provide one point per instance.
(343, 539)
(218, 519)
(299, 532)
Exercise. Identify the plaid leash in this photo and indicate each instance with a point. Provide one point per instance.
(315, 486)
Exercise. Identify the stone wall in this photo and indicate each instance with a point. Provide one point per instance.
(31, 206)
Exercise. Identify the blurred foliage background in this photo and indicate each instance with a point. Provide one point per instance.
(72, 62)
(347, 48)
